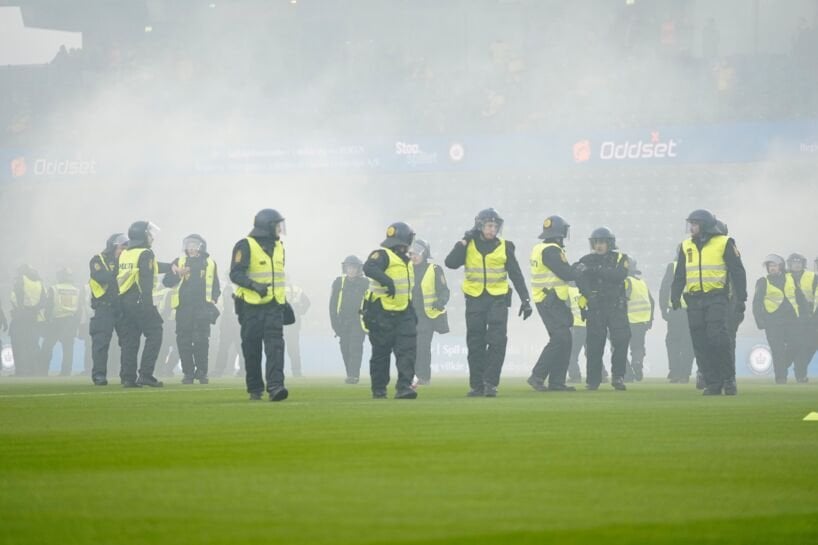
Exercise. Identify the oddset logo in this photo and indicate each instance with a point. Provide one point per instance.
(653, 147)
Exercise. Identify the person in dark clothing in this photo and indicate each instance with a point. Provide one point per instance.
(62, 318)
(138, 275)
(229, 338)
(292, 333)
(776, 305)
(260, 298)
(195, 279)
(28, 301)
(388, 312)
(551, 276)
(429, 297)
(345, 302)
(806, 338)
(105, 303)
(601, 281)
(4, 325)
(489, 262)
(708, 267)
(677, 339)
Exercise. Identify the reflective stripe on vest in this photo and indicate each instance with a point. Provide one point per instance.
(774, 297)
(97, 289)
(209, 274)
(638, 301)
(485, 273)
(66, 300)
(402, 275)
(128, 274)
(543, 278)
(340, 296)
(574, 295)
(706, 269)
(33, 291)
(265, 270)
(428, 288)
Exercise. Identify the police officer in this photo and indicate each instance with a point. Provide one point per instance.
(388, 312)
(708, 265)
(257, 270)
(806, 337)
(195, 280)
(429, 297)
(292, 333)
(28, 301)
(640, 316)
(578, 334)
(489, 262)
(776, 305)
(601, 281)
(550, 277)
(62, 321)
(677, 339)
(105, 303)
(138, 275)
(345, 302)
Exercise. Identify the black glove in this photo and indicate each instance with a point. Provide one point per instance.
(525, 310)
(261, 289)
(740, 307)
(676, 304)
(390, 289)
(439, 307)
(471, 234)
(583, 312)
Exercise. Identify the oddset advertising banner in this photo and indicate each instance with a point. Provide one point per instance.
(525, 151)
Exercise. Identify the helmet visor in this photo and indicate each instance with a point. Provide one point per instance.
(192, 245)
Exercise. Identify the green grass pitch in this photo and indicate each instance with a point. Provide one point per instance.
(657, 464)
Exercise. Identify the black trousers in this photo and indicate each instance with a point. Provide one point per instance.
(707, 316)
(637, 345)
(25, 333)
(806, 342)
(577, 345)
(679, 346)
(292, 334)
(101, 329)
(608, 319)
(423, 361)
(63, 331)
(137, 321)
(262, 330)
(351, 339)
(556, 355)
(486, 338)
(193, 339)
(781, 337)
(392, 332)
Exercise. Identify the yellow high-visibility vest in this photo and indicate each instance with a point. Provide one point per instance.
(97, 289)
(573, 296)
(65, 300)
(638, 300)
(128, 274)
(774, 297)
(485, 273)
(806, 282)
(428, 287)
(706, 269)
(33, 293)
(209, 274)
(543, 278)
(402, 275)
(265, 270)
